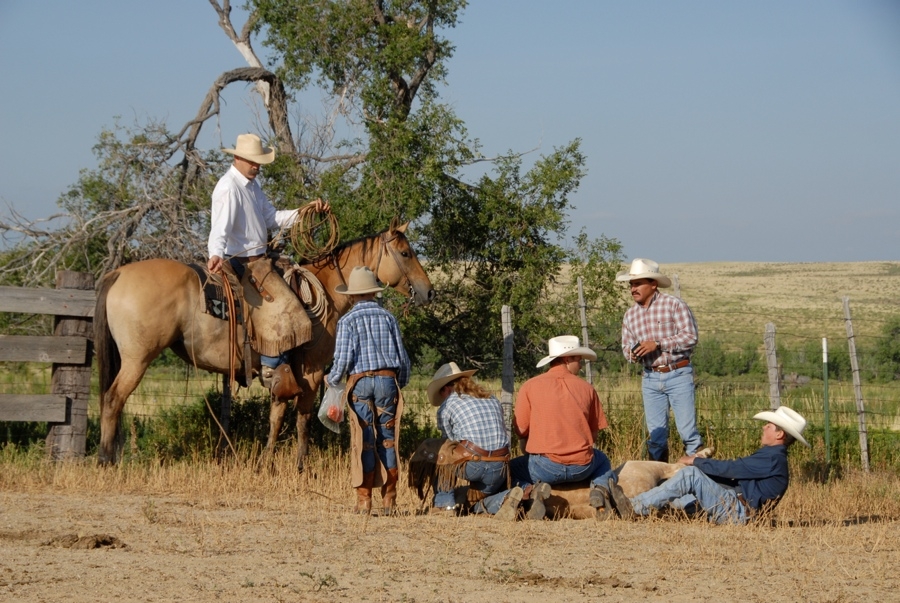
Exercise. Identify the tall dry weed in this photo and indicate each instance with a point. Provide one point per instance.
(239, 483)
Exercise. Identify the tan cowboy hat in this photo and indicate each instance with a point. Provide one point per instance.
(641, 268)
(566, 345)
(444, 375)
(249, 147)
(789, 420)
(362, 280)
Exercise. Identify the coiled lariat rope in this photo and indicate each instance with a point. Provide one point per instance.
(313, 235)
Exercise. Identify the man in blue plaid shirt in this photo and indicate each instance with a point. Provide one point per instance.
(470, 415)
(370, 352)
(660, 332)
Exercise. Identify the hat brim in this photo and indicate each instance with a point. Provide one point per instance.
(266, 158)
(776, 419)
(435, 386)
(586, 352)
(342, 289)
(661, 279)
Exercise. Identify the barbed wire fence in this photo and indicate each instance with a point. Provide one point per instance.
(857, 401)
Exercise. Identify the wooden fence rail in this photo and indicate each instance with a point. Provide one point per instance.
(70, 352)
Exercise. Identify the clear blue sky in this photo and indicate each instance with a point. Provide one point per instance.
(714, 131)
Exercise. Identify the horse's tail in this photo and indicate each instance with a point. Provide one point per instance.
(108, 359)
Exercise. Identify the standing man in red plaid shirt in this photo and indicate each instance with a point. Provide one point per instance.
(660, 332)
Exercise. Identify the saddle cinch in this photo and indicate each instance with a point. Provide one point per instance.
(273, 300)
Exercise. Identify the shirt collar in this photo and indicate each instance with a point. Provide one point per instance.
(237, 175)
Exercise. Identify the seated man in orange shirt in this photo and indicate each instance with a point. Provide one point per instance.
(557, 418)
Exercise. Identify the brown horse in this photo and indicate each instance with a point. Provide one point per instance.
(146, 307)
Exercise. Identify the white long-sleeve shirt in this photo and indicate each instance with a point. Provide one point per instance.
(242, 216)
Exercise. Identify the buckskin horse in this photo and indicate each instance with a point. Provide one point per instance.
(148, 306)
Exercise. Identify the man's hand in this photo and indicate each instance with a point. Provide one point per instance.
(214, 263)
(642, 348)
(687, 460)
(323, 207)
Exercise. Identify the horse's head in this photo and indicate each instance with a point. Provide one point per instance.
(399, 267)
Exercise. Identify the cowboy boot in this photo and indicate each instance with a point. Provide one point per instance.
(509, 509)
(620, 501)
(281, 380)
(389, 491)
(364, 494)
(539, 494)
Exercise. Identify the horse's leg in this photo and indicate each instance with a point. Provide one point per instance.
(127, 380)
(305, 402)
(276, 421)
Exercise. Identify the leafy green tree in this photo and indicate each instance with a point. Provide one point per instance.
(887, 351)
(392, 149)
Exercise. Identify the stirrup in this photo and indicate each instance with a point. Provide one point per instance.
(281, 381)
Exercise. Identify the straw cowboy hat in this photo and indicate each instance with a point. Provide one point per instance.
(362, 280)
(789, 420)
(444, 375)
(249, 147)
(566, 345)
(641, 268)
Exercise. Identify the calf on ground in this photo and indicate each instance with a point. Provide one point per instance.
(635, 477)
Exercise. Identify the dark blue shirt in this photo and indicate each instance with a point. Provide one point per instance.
(760, 477)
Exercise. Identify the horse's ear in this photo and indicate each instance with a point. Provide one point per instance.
(397, 227)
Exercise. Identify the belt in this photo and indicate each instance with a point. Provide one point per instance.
(666, 368)
(248, 258)
(378, 373)
(482, 452)
(750, 510)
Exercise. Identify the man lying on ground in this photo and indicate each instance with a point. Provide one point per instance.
(728, 491)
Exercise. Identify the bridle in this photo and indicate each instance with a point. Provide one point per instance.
(383, 238)
(384, 245)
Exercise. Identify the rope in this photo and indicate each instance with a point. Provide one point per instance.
(232, 352)
(308, 229)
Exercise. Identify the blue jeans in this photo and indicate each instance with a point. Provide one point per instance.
(382, 393)
(274, 361)
(485, 476)
(676, 390)
(690, 488)
(533, 468)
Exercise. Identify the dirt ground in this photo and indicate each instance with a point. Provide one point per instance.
(60, 546)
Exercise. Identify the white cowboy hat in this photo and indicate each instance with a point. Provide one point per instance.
(249, 147)
(566, 345)
(641, 268)
(444, 375)
(362, 280)
(789, 420)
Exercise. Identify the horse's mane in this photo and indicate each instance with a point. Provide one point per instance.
(368, 241)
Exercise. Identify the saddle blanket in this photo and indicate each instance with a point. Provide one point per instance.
(214, 294)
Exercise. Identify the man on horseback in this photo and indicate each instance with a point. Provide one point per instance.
(369, 351)
(241, 218)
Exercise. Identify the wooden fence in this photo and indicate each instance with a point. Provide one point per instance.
(69, 349)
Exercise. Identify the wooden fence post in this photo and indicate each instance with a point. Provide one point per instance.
(677, 286)
(857, 388)
(772, 363)
(584, 331)
(508, 375)
(67, 440)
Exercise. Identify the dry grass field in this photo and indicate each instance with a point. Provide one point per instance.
(204, 532)
(201, 531)
(802, 299)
